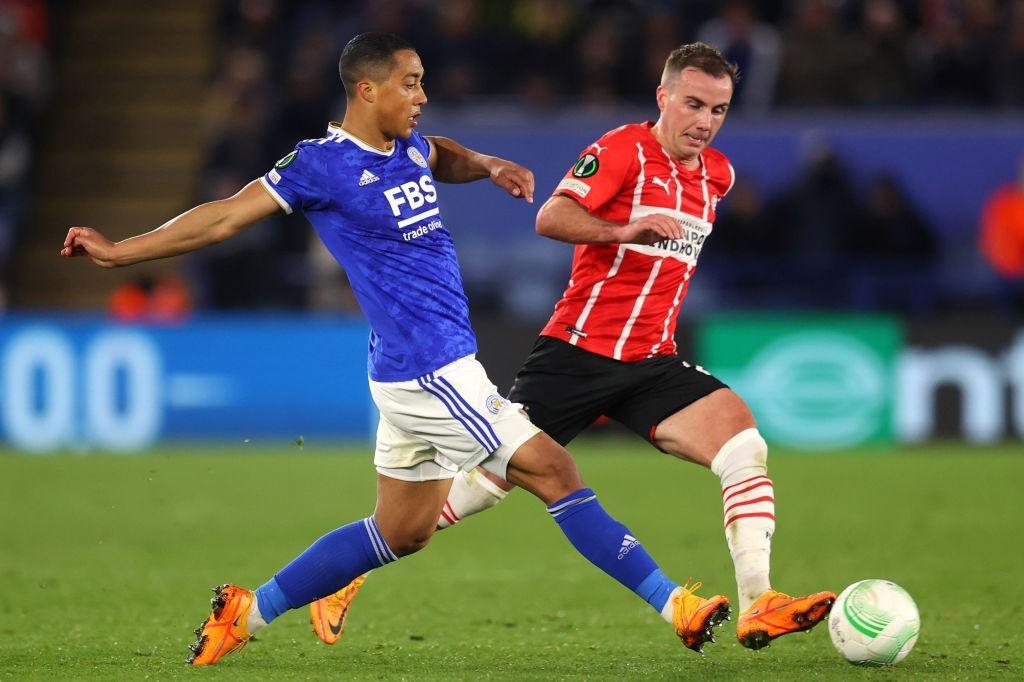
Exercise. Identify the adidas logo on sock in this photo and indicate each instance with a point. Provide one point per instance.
(628, 543)
(366, 178)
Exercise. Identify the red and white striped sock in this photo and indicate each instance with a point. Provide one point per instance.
(470, 493)
(748, 497)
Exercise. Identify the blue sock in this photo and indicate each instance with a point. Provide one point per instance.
(656, 589)
(325, 567)
(610, 546)
(271, 600)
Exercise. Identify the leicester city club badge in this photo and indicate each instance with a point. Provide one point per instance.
(495, 402)
(416, 157)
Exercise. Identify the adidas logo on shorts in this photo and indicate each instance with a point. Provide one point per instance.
(366, 178)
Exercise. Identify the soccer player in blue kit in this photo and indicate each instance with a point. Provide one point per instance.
(368, 190)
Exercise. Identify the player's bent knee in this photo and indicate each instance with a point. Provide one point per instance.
(545, 468)
(411, 543)
(563, 472)
(730, 408)
(411, 546)
(406, 534)
(699, 431)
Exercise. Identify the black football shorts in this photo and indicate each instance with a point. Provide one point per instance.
(565, 389)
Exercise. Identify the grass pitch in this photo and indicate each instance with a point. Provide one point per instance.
(106, 563)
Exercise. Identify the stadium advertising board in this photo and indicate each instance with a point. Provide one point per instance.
(85, 383)
(839, 381)
(962, 377)
(812, 382)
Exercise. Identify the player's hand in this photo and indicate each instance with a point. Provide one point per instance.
(650, 229)
(513, 178)
(84, 241)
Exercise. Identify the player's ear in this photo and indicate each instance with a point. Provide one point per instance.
(366, 91)
(661, 95)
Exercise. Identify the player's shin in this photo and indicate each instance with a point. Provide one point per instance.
(470, 493)
(749, 503)
(610, 546)
(326, 566)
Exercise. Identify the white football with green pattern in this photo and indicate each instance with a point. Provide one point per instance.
(874, 622)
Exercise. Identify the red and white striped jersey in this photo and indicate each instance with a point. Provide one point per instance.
(623, 299)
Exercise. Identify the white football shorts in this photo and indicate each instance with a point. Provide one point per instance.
(451, 419)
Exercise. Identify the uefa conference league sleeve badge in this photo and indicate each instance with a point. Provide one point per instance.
(585, 166)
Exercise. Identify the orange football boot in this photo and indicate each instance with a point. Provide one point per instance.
(774, 614)
(328, 614)
(225, 630)
(694, 617)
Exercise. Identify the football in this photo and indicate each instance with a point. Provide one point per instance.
(874, 623)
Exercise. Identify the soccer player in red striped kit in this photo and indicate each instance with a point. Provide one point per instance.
(639, 204)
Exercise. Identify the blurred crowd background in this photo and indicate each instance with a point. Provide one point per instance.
(24, 98)
(272, 80)
(549, 53)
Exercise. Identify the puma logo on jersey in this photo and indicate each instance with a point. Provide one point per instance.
(598, 148)
(661, 183)
(366, 178)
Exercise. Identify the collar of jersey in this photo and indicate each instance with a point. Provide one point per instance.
(336, 130)
(700, 157)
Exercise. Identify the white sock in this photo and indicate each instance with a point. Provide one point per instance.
(470, 493)
(254, 621)
(667, 610)
(749, 502)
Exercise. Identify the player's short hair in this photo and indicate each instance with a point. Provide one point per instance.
(707, 58)
(369, 55)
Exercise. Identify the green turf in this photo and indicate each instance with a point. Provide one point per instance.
(106, 562)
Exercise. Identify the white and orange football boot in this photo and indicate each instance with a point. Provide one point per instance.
(774, 614)
(328, 614)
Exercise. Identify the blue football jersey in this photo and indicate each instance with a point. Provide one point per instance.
(378, 215)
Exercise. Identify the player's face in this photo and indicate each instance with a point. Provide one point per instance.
(401, 96)
(693, 108)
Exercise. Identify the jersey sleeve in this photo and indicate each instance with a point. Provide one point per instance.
(600, 172)
(296, 181)
(421, 143)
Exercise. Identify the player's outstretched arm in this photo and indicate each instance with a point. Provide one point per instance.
(564, 219)
(201, 226)
(453, 163)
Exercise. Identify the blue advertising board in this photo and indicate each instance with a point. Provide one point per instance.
(86, 383)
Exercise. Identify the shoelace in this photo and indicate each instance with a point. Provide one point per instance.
(689, 589)
(680, 599)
